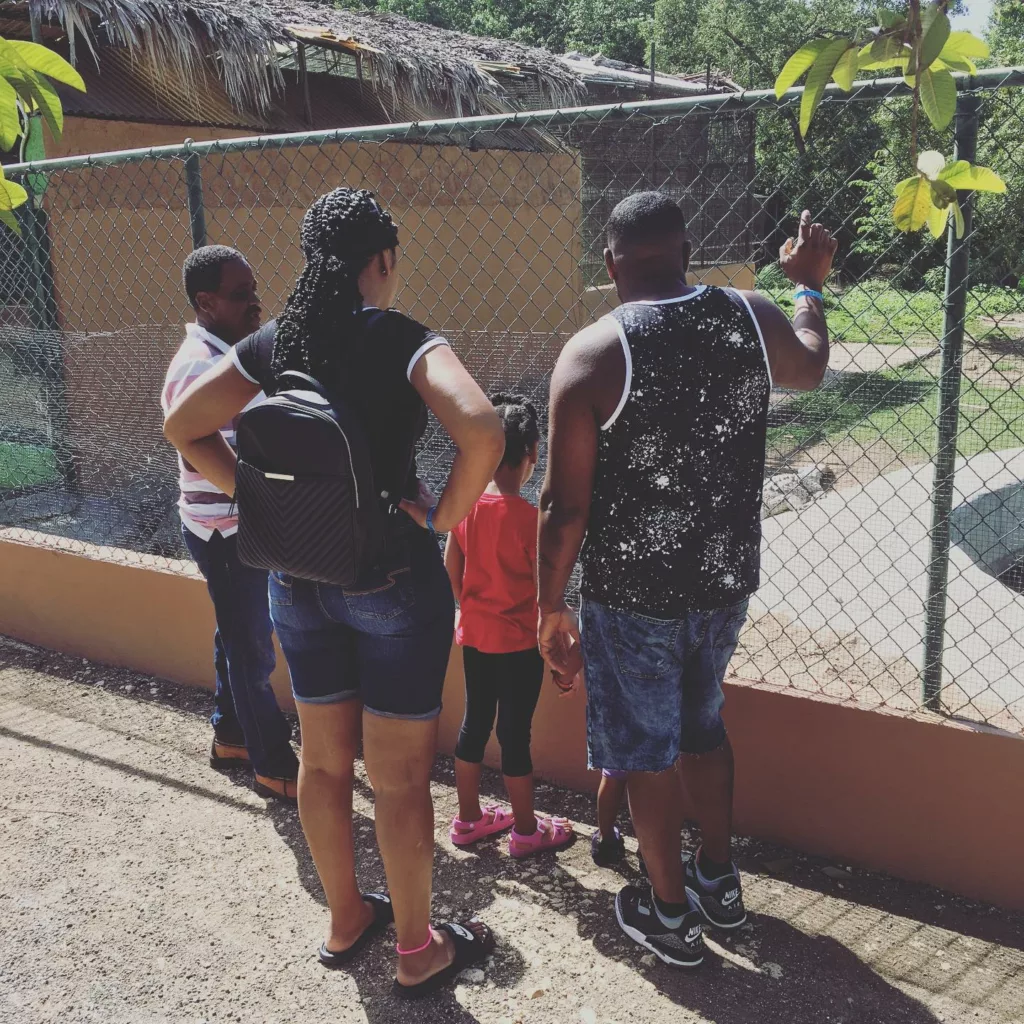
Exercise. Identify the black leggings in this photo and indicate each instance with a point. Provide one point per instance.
(509, 684)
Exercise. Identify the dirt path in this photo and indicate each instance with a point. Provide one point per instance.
(137, 886)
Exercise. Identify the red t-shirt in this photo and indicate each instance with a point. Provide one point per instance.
(499, 593)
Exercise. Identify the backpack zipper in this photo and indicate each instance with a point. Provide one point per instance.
(337, 426)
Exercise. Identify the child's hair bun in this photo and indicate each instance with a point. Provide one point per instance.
(522, 429)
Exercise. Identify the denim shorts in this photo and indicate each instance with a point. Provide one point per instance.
(385, 641)
(654, 686)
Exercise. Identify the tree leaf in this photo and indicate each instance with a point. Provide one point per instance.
(953, 168)
(964, 64)
(943, 194)
(845, 73)
(888, 51)
(938, 96)
(889, 19)
(937, 220)
(961, 175)
(15, 71)
(12, 195)
(913, 206)
(51, 107)
(935, 31)
(8, 218)
(42, 59)
(800, 62)
(35, 92)
(931, 163)
(905, 184)
(964, 44)
(958, 216)
(10, 122)
(818, 77)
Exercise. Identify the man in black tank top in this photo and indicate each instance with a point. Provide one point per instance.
(658, 417)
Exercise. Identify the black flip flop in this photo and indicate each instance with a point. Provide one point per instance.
(469, 949)
(383, 915)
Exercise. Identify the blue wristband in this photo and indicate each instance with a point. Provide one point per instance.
(430, 519)
(809, 293)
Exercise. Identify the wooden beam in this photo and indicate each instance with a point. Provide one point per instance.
(304, 75)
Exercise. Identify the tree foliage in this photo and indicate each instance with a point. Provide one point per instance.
(922, 45)
(613, 27)
(26, 91)
(848, 163)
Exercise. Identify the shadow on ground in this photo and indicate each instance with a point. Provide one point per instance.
(819, 947)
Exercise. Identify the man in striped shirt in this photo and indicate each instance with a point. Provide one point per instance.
(248, 727)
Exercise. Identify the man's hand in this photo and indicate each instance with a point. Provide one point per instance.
(807, 260)
(558, 636)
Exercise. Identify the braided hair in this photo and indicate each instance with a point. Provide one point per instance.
(522, 430)
(341, 232)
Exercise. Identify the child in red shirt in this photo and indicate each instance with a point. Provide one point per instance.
(491, 559)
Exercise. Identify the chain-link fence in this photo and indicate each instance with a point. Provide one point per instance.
(894, 546)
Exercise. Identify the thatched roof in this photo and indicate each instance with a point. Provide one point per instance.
(429, 67)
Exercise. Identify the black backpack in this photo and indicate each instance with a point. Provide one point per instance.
(307, 505)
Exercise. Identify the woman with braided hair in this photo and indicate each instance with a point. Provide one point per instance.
(369, 660)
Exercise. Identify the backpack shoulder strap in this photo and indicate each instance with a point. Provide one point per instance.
(290, 378)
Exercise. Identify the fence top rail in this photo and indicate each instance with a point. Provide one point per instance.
(750, 99)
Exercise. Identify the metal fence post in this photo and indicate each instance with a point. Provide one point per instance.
(958, 255)
(194, 188)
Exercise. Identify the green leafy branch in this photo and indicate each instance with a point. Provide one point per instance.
(923, 45)
(26, 91)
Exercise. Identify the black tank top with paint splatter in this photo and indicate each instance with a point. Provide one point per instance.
(675, 521)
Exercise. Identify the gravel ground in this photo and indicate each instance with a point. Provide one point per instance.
(137, 885)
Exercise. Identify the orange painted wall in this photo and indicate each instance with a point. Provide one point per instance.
(921, 798)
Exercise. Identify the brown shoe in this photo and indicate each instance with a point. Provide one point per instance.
(278, 789)
(228, 755)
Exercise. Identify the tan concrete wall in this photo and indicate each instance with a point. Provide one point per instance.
(489, 244)
(489, 239)
(83, 135)
(921, 798)
(602, 299)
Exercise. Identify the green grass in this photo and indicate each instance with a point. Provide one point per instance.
(877, 313)
(899, 406)
(26, 465)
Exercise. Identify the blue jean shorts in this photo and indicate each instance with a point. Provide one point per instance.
(385, 641)
(654, 686)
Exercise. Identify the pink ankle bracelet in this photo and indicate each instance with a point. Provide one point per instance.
(419, 949)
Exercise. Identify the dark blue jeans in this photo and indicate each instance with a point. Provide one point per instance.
(385, 641)
(245, 708)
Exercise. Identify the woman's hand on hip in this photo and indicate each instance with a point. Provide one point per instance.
(418, 508)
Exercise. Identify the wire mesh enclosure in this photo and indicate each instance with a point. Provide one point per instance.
(893, 555)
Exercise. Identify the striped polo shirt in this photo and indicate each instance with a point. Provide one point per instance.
(204, 509)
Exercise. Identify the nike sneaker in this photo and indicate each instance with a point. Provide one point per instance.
(682, 946)
(720, 900)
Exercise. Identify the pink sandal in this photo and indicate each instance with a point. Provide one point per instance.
(551, 834)
(495, 819)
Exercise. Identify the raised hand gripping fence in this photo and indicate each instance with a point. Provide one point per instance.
(893, 538)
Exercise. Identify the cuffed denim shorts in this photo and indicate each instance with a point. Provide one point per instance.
(654, 686)
(385, 641)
